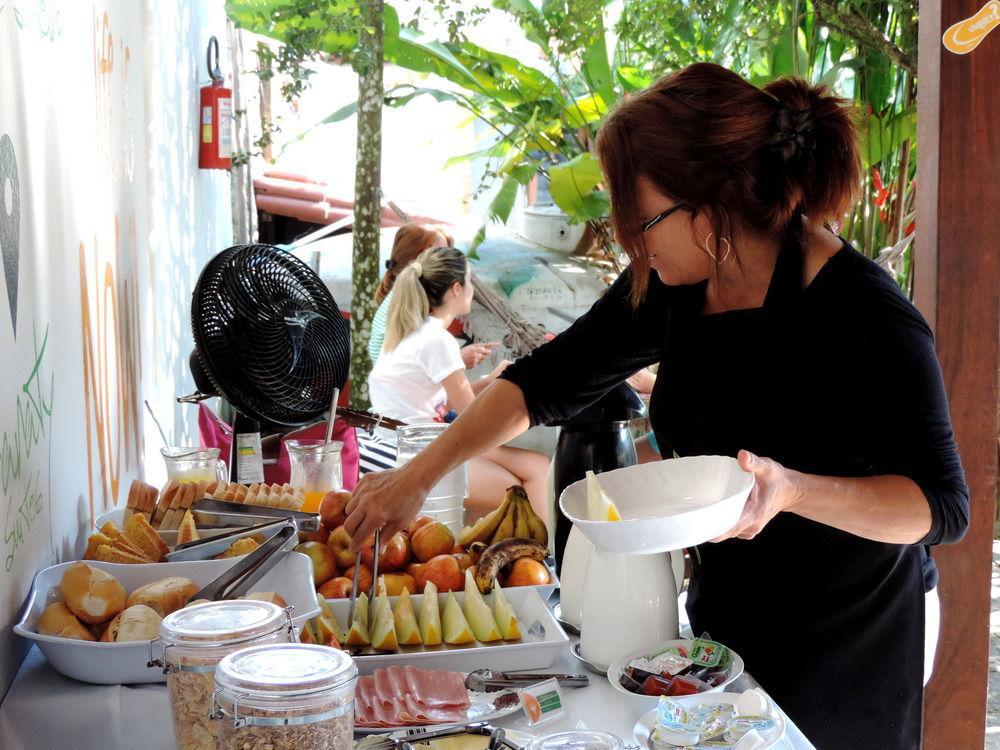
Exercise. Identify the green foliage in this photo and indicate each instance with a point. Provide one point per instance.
(546, 113)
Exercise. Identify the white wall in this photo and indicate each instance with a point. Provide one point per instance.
(113, 221)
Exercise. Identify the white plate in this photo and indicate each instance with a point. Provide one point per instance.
(124, 663)
(615, 671)
(664, 505)
(528, 653)
(479, 710)
(644, 727)
(117, 516)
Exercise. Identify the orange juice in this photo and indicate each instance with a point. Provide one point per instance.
(312, 500)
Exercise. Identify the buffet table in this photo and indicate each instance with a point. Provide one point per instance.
(45, 710)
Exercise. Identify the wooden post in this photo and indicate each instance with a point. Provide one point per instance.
(957, 287)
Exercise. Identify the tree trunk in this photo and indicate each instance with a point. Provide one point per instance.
(367, 196)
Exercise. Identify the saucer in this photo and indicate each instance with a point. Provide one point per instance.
(591, 667)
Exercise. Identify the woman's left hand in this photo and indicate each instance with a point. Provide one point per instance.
(775, 489)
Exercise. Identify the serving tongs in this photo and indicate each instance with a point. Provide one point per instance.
(238, 579)
(498, 737)
(492, 680)
(211, 513)
(208, 549)
(357, 580)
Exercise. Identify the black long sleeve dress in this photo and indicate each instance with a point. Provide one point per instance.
(837, 379)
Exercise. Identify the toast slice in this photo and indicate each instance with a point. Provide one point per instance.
(106, 553)
(163, 504)
(187, 531)
(120, 541)
(142, 535)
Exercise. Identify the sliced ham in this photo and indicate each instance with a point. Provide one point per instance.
(437, 688)
(403, 696)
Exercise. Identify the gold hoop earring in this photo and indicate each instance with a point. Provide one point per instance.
(729, 248)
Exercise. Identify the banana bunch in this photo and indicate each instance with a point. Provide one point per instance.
(514, 519)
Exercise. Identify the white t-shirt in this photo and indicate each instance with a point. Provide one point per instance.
(405, 384)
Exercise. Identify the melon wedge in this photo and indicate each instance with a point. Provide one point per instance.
(503, 613)
(456, 627)
(383, 630)
(327, 626)
(478, 613)
(407, 631)
(600, 507)
(430, 616)
(358, 634)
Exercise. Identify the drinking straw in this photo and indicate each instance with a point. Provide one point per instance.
(333, 415)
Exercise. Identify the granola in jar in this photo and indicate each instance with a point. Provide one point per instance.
(195, 639)
(286, 697)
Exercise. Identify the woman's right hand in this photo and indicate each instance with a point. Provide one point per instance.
(386, 500)
(473, 354)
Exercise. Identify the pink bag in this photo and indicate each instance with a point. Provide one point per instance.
(214, 433)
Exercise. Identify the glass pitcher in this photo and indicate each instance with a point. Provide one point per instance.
(316, 470)
(194, 464)
(446, 500)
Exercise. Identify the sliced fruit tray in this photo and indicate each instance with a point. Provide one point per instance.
(541, 637)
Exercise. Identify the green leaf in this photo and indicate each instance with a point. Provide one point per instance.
(585, 110)
(596, 68)
(476, 242)
(631, 78)
(503, 202)
(571, 184)
(830, 77)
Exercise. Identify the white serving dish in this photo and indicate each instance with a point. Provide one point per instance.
(125, 663)
(650, 702)
(528, 653)
(644, 727)
(665, 505)
(117, 516)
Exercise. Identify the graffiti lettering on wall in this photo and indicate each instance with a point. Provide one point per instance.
(10, 223)
(42, 17)
(115, 139)
(25, 485)
(109, 311)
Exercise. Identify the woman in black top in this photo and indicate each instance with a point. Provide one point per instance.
(777, 343)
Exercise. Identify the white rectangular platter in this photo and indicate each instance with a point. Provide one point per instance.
(528, 653)
(125, 663)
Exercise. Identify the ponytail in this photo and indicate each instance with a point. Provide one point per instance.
(419, 289)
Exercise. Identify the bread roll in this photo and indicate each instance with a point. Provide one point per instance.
(135, 623)
(165, 595)
(91, 594)
(58, 620)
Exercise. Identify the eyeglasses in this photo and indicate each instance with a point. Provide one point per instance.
(663, 215)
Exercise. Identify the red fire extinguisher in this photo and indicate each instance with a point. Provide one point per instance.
(216, 127)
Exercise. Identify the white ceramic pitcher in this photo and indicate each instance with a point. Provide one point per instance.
(629, 602)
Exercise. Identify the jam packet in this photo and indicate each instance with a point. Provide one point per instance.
(708, 653)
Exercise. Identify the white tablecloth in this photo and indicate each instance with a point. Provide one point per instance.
(46, 711)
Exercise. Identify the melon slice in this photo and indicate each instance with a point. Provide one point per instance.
(430, 616)
(478, 613)
(407, 631)
(456, 627)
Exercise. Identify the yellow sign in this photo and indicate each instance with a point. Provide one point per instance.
(965, 36)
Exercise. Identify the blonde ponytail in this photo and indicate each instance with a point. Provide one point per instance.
(408, 307)
(419, 288)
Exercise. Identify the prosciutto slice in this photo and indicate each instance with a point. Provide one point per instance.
(402, 696)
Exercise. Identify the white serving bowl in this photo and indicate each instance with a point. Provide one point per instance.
(664, 505)
(125, 663)
(650, 702)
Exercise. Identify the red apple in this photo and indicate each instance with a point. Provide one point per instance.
(395, 556)
(396, 582)
(332, 508)
(319, 535)
(416, 523)
(443, 570)
(527, 572)
(324, 564)
(340, 542)
(464, 560)
(431, 540)
(364, 578)
(336, 588)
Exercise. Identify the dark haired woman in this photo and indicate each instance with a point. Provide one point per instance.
(420, 374)
(777, 343)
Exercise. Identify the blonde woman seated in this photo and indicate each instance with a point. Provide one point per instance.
(420, 376)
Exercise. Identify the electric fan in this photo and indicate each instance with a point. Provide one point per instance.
(269, 337)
